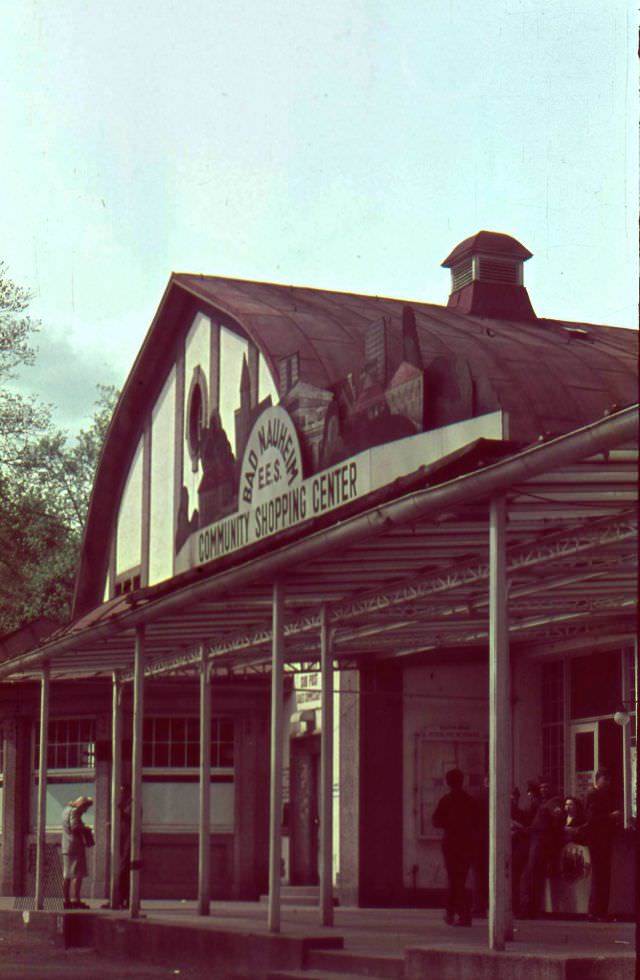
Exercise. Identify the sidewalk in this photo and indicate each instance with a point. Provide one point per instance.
(417, 942)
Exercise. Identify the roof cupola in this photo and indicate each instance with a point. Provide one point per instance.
(486, 277)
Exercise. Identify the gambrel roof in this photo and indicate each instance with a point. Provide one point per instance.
(551, 376)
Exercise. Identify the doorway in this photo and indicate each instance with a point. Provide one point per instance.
(584, 757)
(304, 809)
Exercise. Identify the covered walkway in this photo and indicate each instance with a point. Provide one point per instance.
(499, 547)
(399, 944)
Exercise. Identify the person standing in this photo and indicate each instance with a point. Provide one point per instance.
(457, 815)
(124, 805)
(480, 860)
(544, 837)
(572, 829)
(601, 821)
(75, 836)
(124, 850)
(519, 847)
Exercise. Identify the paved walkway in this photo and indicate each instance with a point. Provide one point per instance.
(391, 931)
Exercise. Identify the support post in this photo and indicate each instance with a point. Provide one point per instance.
(326, 772)
(637, 786)
(115, 897)
(204, 850)
(500, 926)
(628, 697)
(42, 787)
(275, 794)
(136, 774)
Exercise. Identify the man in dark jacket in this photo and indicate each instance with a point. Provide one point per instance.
(544, 834)
(457, 815)
(601, 823)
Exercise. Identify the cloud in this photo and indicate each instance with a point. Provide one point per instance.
(65, 377)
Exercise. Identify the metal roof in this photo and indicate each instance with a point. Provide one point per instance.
(550, 376)
(542, 374)
(408, 577)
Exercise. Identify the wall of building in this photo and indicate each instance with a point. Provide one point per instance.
(526, 687)
(239, 795)
(161, 506)
(129, 526)
(380, 761)
(445, 725)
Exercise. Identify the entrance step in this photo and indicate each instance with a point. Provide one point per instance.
(311, 975)
(306, 896)
(341, 962)
(343, 965)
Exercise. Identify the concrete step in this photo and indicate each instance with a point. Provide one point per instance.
(302, 895)
(340, 961)
(312, 975)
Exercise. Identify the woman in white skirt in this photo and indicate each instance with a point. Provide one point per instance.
(75, 837)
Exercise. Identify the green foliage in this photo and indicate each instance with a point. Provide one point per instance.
(45, 482)
(20, 418)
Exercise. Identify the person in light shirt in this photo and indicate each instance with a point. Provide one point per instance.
(75, 839)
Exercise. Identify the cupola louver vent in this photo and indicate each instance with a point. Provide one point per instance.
(498, 270)
(462, 274)
(487, 278)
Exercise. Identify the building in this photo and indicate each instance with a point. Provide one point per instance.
(428, 510)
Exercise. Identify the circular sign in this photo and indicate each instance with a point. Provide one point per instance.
(272, 462)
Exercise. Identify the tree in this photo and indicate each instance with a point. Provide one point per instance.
(20, 418)
(42, 517)
(45, 481)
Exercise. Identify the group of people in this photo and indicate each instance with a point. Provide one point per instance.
(77, 837)
(539, 831)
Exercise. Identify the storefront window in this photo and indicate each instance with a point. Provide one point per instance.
(71, 744)
(174, 743)
(595, 685)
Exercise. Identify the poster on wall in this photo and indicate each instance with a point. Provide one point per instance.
(438, 750)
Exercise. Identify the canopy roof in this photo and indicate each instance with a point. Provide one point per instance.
(408, 576)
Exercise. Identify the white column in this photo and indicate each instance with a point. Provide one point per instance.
(627, 701)
(326, 772)
(42, 786)
(275, 796)
(136, 774)
(204, 888)
(500, 927)
(116, 780)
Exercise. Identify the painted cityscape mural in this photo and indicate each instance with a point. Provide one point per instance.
(390, 397)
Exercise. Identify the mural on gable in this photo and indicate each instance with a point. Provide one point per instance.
(391, 397)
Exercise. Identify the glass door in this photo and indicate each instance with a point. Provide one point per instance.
(584, 757)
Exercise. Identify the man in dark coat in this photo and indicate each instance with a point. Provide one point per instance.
(600, 827)
(480, 861)
(457, 815)
(544, 834)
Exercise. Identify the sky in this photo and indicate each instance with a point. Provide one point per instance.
(348, 145)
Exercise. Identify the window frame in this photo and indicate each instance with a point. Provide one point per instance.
(66, 770)
(162, 764)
